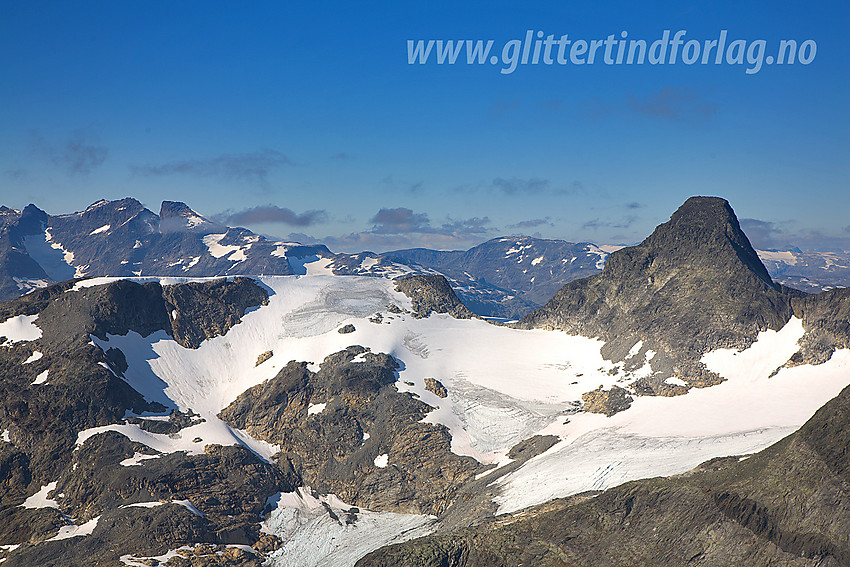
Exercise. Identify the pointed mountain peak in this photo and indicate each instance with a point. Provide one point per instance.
(706, 219)
(33, 220)
(694, 285)
(703, 231)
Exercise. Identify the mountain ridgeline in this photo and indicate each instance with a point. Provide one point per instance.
(506, 277)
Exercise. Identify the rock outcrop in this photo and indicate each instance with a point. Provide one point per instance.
(432, 294)
(332, 425)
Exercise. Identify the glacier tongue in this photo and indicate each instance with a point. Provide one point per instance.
(323, 530)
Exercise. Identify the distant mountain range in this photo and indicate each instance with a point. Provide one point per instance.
(506, 277)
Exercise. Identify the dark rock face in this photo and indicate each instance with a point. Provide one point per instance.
(788, 505)
(692, 286)
(209, 309)
(532, 447)
(826, 318)
(229, 485)
(364, 416)
(432, 294)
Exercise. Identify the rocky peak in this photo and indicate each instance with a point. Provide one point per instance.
(176, 216)
(705, 227)
(32, 220)
(694, 285)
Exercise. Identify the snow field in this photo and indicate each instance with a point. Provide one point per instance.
(504, 386)
(664, 436)
(314, 538)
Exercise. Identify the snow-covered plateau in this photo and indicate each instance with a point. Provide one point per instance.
(504, 385)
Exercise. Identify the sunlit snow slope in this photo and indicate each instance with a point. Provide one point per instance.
(504, 386)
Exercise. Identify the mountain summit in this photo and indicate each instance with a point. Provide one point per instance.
(694, 285)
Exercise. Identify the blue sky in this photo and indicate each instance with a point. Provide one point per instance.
(306, 120)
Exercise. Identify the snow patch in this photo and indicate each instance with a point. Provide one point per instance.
(316, 408)
(784, 257)
(143, 505)
(675, 381)
(537, 260)
(217, 250)
(5, 437)
(381, 461)
(137, 459)
(36, 355)
(40, 499)
(27, 285)
(280, 251)
(369, 263)
(40, 379)
(67, 532)
(189, 506)
(603, 255)
(100, 230)
(134, 561)
(19, 329)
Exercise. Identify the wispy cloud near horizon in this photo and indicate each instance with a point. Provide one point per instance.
(80, 154)
(252, 167)
(272, 214)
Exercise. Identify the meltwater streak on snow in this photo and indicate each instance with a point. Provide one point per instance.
(313, 538)
(664, 436)
(20, 328)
